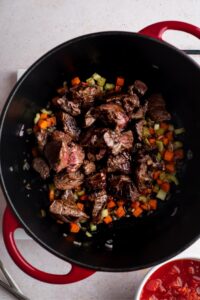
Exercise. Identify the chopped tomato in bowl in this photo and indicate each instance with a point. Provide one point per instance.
(175, 280)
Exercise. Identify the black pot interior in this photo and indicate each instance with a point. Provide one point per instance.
(136, 243)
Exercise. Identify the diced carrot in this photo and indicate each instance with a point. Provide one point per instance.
(120, 203)
(34, 152)
(43, 116)
(74, 227)
(137, 212)
(107, 219)
(51, 121)
(80, 205)
(145, 206)
(169, 135)
(159, 181)
(165, 141)
(179, 154)
(120, 212)
(75, 81)
(168, 155)
(111, 204)
(153, 203)
(156, 174)
(135, 204)
(42, 124)
(118, 88)
(164, 125)
(170, 167)
(83, 198)
(120, 81)
(152, 141)
(51, 194)
(165, 186)
(151, 130)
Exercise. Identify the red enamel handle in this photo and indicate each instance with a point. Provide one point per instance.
(156, 30)
(10, 224)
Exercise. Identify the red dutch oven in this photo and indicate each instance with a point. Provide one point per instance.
(136, 244)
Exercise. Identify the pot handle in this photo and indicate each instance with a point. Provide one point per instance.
(156, 30)
(10, 224)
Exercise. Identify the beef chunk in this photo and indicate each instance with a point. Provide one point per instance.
(40, 166)
(122, 186)
(69, 125)
(76, 157)
(118, 142)
(67, 105)
(89, 167)
(130, 102)
(90, 117)
(139, 129)
(117, 98)
(143, 178)
(140, 113)
(41, 137)
(96, 181)
(85, 94)
(132, 192)
(100, 154)
(93, 139)
(138, 87)
(57, 135)
(67, 210)
(99, 199)
(113, 114)
(119, 163)
(57, 154)
(67, 181)
(156, 109)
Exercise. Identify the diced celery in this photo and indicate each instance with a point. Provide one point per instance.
(177, 145)
(145, 132)
(96, 76)
(90, 81)
(179, 131)
(109, 86)
(171, 127)
(44, 111)
(156, 126)
(161, 194)
(160, 146)
(142, 198)
(173, 178)
(36, 119)
(160, 131)
(158, 156)
(101, 81)
(81, 193)
(88, 234)
(93, 227)
(104, 213)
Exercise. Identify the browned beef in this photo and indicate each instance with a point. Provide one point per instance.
(118, 185)
(90, 117)
(119, 163)
(139, 129)
(156, 108)
(41, 137)
(118, 142)
(99, 199)
(57, 135)
(40, 166)
(85, 94)
(117, 98)
(65, 181)
(101, 154)
(67, 105)
(140, 113)
(76, 157)
(143, 177)
(138, 87)
(96, 181)
(130, 103)
(113, 114)
(69, 125)
(89, 167)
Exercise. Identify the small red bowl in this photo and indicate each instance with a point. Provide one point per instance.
(174, 278)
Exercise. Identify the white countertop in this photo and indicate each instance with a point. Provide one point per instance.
(28, 29)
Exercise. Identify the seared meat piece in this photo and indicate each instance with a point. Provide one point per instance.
(97, 181)
(119, 163)
(66, 105)
(140, 113)
(67, 181)
(57, 154)
(139, 128)
(41, 137)
(143, 178)
(156, 109)
(132, 192)
(93, 138)
(113, 114)
(67, 210)
(130, 102)
(89, 167)
(57, 135)
(85, 94)
(139, 87)
(100, 154)
(117, 98)
(76, 157)
(91, 156)
(69, 125)
(118, 142)
(90, 117)
(40, 166)
(99, 199)
(68, 195)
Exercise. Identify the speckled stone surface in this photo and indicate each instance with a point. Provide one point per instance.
(28, 29)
